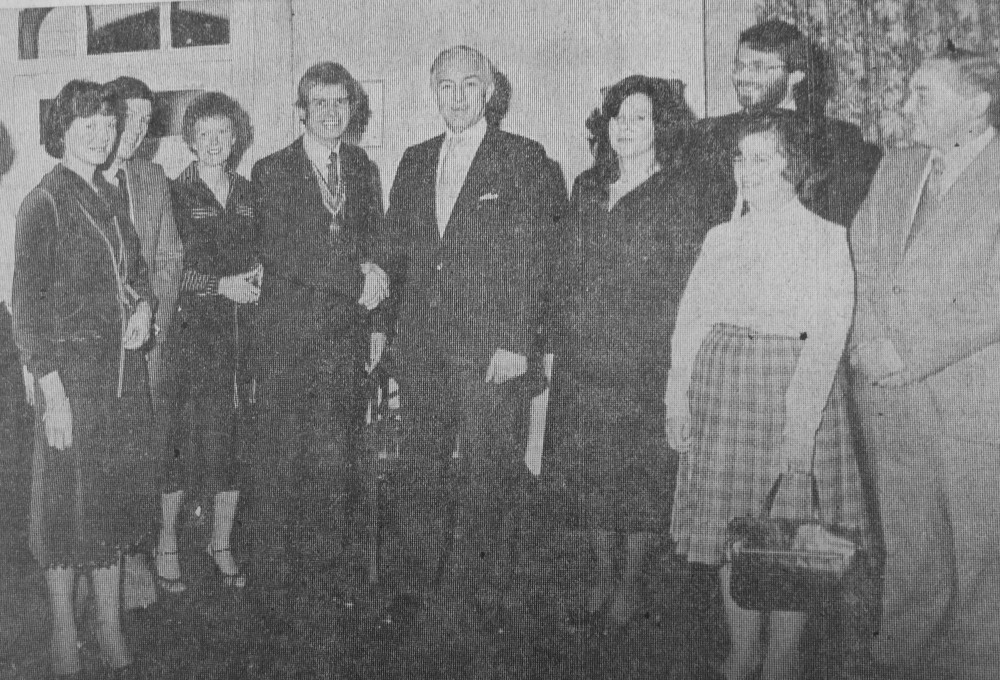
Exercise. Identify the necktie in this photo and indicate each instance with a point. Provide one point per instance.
(122, 187)
(333, 174)
(450, 183)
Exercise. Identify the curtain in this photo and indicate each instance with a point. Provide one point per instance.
(874, 45)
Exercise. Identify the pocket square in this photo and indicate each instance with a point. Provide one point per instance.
(489, 197)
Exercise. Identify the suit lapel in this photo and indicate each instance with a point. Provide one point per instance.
(428, 187)
(304, 177)
(906, 201)
(481, 172)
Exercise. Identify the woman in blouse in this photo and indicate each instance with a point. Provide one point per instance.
(82, 309)
(753, 388)
(206, 354)
(636, 220)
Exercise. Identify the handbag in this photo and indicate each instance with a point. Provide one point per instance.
(783, 564)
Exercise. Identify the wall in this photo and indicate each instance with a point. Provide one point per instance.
(724, 21)
(558, 54)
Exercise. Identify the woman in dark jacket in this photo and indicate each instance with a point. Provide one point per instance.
(206, 354)
(628, 244)
(82, 309)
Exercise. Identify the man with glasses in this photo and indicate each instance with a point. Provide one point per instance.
(778, 69)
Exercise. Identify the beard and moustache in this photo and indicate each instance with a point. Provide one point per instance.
(765, 97)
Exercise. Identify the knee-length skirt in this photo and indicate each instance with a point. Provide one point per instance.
(737, 400)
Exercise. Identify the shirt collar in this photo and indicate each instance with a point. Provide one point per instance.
(473, 133)
(960, 157)
(317, 152)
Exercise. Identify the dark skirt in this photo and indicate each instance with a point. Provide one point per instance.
(98, 497)
(612, 452)
(737, 399)
(205, 388)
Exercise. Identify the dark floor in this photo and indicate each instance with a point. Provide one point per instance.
(209, 632)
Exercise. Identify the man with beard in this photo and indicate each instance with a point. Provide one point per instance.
(778, 69)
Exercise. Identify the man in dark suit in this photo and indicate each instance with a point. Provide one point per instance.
(145, 193)
(468, 214)
(926, 348)
(779, 69)
(319, 207)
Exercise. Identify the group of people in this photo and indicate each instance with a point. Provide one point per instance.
(726, 301)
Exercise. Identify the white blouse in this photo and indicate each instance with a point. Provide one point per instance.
(783, 273)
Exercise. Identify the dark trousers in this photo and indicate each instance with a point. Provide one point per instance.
(461, 481)
(304, 419)
(938, 505)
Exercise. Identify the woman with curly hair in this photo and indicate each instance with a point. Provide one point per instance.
(82, 308)
(206, 352)
(636, 220)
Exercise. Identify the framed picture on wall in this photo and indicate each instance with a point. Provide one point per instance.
(375, 90)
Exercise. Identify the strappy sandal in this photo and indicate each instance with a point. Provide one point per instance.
(170, 586)
(235, 580)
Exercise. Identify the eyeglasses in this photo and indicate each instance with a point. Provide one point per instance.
(758, 68)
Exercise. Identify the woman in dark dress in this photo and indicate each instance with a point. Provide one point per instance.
(82, 309)
(632, 235)
(206, 355)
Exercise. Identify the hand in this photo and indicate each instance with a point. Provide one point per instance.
(376, 287)
(796, 455)
(896, 380)
(139, 326)
(58, 416)
(376, 348)
(241, 288)
(876, 359)
(506, 365)
(29, 385)
(679, 433)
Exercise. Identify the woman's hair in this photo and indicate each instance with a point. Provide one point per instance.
(673, 123)
(218, 105)
(792, 135)
(77, 99)
(330, 73)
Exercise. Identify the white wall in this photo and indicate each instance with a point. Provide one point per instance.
(558, 54)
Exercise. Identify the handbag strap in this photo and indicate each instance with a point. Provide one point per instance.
(817, 513)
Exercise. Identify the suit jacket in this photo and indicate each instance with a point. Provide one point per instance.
(476, 289)
(151, 213)
(839, 151)
(937, 299)
(312, 277)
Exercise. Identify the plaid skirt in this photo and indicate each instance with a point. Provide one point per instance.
(737, 399)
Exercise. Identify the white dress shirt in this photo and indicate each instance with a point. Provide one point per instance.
(457, 154)
(785, 273)
(319, 155)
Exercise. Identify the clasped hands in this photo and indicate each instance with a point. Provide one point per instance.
(881, 364)
(242, 288)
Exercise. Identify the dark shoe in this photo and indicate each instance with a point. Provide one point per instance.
(170, 586)
(236, 579)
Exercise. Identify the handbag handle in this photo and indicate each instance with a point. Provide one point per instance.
(765, 511)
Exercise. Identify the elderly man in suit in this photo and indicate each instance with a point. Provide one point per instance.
(145, 193)
(468, 214)
(926, 347)
(778, 70)
(319, 210)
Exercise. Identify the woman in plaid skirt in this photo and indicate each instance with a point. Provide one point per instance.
(753, 388)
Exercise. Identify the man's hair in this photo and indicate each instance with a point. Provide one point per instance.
(218, 105)
(797, 53)
(77, 99)
(127, 87)
(486, 68)
(978, 72)
(330, 73)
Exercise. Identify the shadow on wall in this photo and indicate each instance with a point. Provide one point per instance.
(6, 151)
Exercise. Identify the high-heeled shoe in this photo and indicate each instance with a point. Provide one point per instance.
(236, 579)
(170, 586)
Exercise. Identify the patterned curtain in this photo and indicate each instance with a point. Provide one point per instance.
(874, 45)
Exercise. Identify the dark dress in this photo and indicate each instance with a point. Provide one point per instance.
(75, 253)
(207, 350)
(619, 275)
